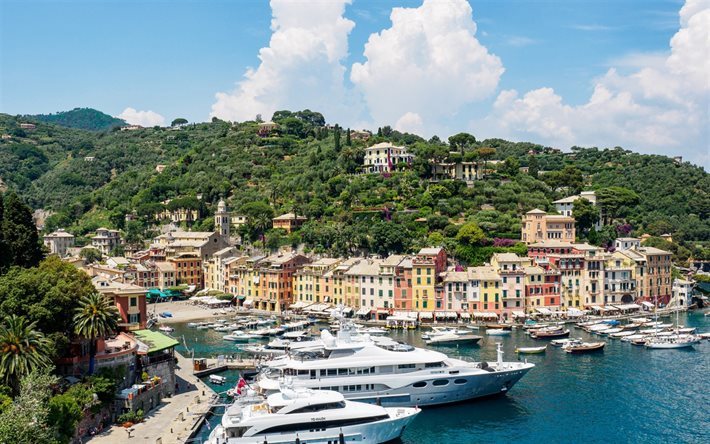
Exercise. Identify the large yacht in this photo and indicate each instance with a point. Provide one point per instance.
(310, 416)
(389, 373)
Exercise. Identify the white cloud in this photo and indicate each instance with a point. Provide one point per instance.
(142, 118)
(519, 41)
(409, 123)
(428, 64)
(661, 107)
(301, 67)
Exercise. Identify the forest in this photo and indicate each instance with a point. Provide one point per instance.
(89, 179)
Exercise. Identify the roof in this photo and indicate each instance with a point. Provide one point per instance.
(385, 145)
(586, 247)
(536, 211)
(290, 216)
(155, 340)
(486, 273)
(551, 244)
(652, 250)
(628, 239)
(366, 267)
(559, 217)
(507, 257)
(325, 262)
(568, 199)
(165, 266)
(533, 269)
(455, 276)
(431, 251)
(393, 260)
(59, 233)
(118, 260)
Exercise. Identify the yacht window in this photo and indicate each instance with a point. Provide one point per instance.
(332, 372)
(402, 366)
(319, 407)
(433, 364)
(440, 382)
(419, 384)
(460, 381)
(302, 372)
(342, 371)
(322, 425)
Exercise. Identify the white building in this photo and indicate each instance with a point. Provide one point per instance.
(58, 242)
(566, 206)
(384, 157)
(106, 240)
(375, 291)
(626, 243)
(682, 292)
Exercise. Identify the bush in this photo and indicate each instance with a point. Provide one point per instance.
(134, 417)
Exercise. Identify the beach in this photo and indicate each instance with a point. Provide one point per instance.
(184, 311)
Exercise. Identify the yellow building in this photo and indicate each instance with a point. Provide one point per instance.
(538, 226)
(313, 284)
(489, 282)
(345, 288)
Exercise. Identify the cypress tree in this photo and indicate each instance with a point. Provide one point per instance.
(348, 142)
(19, 233)
(4, 254)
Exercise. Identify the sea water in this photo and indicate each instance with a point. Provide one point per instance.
(625, 394)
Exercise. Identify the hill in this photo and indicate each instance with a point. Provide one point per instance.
(81, 118)
(91, 179)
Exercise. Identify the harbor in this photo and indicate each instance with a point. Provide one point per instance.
(617, 387)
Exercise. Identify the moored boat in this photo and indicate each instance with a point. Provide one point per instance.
(584, 347)
(531, 350)
(550, 334)
(497, 332)
(217, 379)
(675, 341)
(453, 338)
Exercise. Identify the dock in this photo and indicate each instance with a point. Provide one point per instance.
(220, 365)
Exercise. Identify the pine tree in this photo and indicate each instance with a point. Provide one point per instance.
(19, 233)
(533, 166)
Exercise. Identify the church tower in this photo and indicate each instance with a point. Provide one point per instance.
(222, 220)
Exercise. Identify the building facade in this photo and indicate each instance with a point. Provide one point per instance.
(538, 226)
(58, 242)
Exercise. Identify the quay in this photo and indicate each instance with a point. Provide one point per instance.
(219, 365)
(175, 420)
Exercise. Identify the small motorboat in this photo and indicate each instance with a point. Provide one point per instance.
(193, 324)
(584, 347)
(452, 338)
(240, 336)
(166, 329)
(633, 337)
(166, 314)
(563, 342)
(553, 334)
(531, 350)
(217, 379)
(610, 331)
(500, 326)
(497, 332)
(622, 334)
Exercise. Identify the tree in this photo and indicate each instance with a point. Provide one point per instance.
(569, 177)
(348, 142)
(616, 201)
(90, 255)
(27, 419)
(95, 318)
(19, 233)
(470, 234)
(336, 138)
(64, 414)
(533, 166)
(511, 167)
(586, 215)
(461, 142)
(387, 238)
(179, 121)
(23, 350)
(486, 154)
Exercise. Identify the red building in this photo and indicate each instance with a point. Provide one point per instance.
(129, 299)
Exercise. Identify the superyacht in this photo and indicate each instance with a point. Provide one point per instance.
(388, 373)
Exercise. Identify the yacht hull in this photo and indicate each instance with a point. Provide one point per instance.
(403, 390)
(379, 432)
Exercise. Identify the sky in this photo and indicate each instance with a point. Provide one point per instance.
(630, 73)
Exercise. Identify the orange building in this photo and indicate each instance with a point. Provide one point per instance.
(188, 269)
(288, 222)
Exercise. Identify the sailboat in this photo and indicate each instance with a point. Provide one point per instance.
(675, 340)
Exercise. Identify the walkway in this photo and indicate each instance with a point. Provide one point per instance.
(173, 420)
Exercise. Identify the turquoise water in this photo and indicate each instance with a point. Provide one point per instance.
(626, 394)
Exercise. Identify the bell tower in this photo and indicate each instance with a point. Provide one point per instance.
(222, 220)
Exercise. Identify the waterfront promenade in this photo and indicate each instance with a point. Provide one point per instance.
(174, 419)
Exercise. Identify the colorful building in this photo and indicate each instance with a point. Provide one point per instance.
(538, 226)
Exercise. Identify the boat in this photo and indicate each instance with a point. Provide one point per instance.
(372, 331)
(497, 332)
(165, 314)
(675, 341)
(166, 329)
(240, 336)
(192, 324)
(531, 350)
(584, 347)
(438, 331)
(622, 334)
(500, 326)
(217, 379)
(310, 416)
(633, 337)
(640, 341)
(381, 370)
(704, 335)
(685, 330)
(610, 331)
(550, 334)
(401, 322)
(453, 338)
(562, 342)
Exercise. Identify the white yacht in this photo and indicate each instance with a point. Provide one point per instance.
(380, 370)
(310, 416)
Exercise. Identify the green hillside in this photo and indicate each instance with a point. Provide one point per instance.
(81, 118)
(315, 171)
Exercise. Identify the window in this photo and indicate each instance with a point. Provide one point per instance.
(419, 384)
(134, 302)
(460, 381)
(440, 382)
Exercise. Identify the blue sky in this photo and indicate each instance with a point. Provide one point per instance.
(172, 57)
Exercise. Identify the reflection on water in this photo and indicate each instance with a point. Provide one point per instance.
(625, 394)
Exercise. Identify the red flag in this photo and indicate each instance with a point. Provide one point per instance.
(240, 385)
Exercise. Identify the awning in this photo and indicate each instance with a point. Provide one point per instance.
(628, 307)
(426, 315)
(445, 314)
(363, 311)
(519, 314)
(241, 297)
(249, 302)
(465, 315)
(382, 311)
(485, 315)
(347, 310)
(155, 340)
(573, 312)
(647, 304)
(543, 310)
(596, 308)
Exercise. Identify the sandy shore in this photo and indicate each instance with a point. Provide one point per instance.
(184, 311)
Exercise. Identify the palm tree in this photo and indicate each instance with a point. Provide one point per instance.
(22, 350)
(96, 317)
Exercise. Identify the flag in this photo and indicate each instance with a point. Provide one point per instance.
(240, 385)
